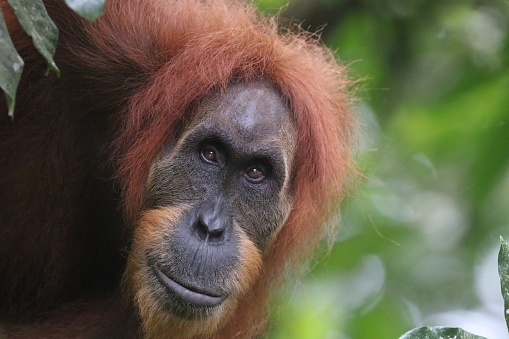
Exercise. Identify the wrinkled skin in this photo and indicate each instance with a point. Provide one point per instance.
(229, 179)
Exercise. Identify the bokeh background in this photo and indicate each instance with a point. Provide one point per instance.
(418, 243)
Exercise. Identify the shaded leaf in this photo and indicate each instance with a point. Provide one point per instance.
(503, 271)
(34, 19)
(11, 66)
(89, 9)
(439, 333)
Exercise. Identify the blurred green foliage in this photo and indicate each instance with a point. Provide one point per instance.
(439, 333)
(417, 244)
(34, 19)
(503, 271)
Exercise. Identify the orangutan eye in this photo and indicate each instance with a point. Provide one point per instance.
(255, 174)
(209, 154)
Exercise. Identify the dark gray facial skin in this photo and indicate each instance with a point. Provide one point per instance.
(231, 172)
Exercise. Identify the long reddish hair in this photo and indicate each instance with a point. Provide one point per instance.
(185, 49)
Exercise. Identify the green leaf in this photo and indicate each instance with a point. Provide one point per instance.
(34, 19)
(89, 9)
(503, 272)
(439, 333)
(11, 66)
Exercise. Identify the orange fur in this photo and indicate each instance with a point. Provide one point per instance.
(147, 62)
(204, 45)
(153, 226)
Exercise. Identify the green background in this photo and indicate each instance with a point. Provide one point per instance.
(418, 241)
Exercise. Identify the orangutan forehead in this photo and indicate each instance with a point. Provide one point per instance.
(249, 113)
